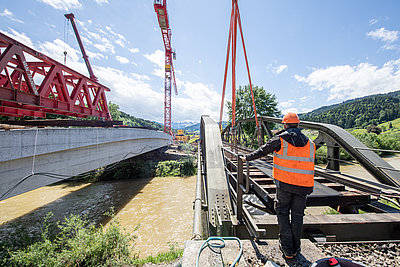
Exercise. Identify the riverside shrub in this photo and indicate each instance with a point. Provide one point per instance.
(78, 243)
(183, 167)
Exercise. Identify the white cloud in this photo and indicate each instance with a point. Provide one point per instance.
(104, 44)
(86, 40)
(140, 77)
(122, 60)
(129, 91)
(296, 110)
(55, 50)
(120, 42)
(62, 4)
(373, 21)
(304, 98)
(281, 68)
(134, 50)
(194, 100)
(95, 55)
(277, 69)
(20, 37)
(388, 37)
(94, 35)
(100, 2)
(384, 35)
(10, 15)
(120, 36)
(50, 25)
(158, 58)
(287, 104)
(345, 82)
(105, 47)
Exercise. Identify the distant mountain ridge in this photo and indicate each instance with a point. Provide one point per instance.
(358, 112)
(182, 124)
(196, 127)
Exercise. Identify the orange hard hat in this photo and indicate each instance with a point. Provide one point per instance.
(291, 118)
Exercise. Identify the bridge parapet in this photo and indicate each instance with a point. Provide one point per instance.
(220, 213)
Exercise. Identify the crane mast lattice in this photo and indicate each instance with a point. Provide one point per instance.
(160, 7)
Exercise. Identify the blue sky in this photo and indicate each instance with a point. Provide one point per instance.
(308, 53)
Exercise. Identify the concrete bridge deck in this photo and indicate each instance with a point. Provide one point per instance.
(31, 158)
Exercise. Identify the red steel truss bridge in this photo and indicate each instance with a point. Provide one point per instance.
(33, 84)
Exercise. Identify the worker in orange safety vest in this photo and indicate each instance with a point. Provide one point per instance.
(293, 173)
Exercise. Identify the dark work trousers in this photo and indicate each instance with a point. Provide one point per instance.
(290, 228)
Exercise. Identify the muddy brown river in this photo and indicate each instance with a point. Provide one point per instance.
(161, 206)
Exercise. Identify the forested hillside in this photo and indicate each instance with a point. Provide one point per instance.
(130, 120)
(360, 112)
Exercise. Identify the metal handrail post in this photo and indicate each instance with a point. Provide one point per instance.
(239, 189)
(197, 218)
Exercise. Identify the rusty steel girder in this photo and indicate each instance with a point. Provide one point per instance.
(43, 85)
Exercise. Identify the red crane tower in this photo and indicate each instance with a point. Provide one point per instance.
(160, 6)
(71, 17)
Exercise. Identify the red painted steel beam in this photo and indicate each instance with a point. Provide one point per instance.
(43, 85)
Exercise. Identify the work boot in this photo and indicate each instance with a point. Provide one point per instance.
(286, 250)
(291, 262)
(302, 261)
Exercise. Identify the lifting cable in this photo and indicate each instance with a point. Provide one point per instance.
(65, 40)
(234, 22)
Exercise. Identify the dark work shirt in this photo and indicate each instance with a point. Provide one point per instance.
(293, 136)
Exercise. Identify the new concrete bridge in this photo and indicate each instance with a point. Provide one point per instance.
(32, 158)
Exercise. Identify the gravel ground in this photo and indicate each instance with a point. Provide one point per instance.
(370, 254)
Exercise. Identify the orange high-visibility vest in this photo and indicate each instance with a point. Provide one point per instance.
(295, 165)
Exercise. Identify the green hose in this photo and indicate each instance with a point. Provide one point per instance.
(220, 245)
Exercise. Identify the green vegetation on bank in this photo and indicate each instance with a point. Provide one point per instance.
(183, 167)
(387, 140)
(77, 242)
(141, 168)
